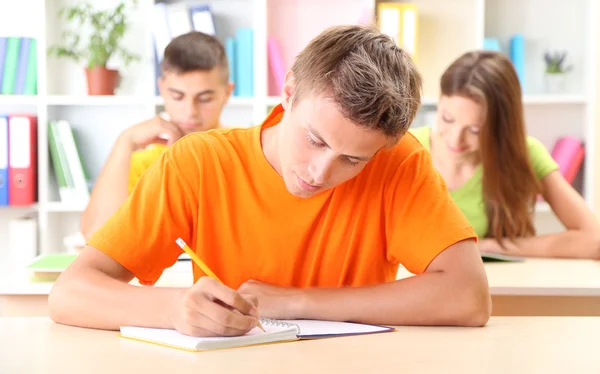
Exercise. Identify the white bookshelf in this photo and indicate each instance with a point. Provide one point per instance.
(446, 30)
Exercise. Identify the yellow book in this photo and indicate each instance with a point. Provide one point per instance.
(399, 21)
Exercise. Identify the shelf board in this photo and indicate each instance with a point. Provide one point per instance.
(107, 100)
(60, 207)
(233, 101)
(429, 101)
(273, 100)
(32, 208)
(554, 99)
(19, 99)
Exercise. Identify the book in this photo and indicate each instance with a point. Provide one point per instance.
(400, 22)
(498, 257)
(276, 64)
(568, 152)
(517, 56)
(244, 68)
(11, 61)
(275, 331)
(21, 74)
(31, 74)
(47, 267)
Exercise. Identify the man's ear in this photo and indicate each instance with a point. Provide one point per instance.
(289, 86)
(228, 91)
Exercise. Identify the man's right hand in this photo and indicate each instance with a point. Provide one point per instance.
(209, 308)
(154, 131)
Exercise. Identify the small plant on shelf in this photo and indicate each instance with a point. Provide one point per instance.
(556, 71)
(555, 62)
(107, 29)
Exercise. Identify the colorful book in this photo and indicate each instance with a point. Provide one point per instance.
(517, 56)
(21, 74)
(11, 61)
(66, 187)
(276, 64)
(31, 75)
(568, 152)
(4, 161)
(231, 59)
(399, 21)
(48, 267)
(244, 64)
(202, 19)
(3, 44)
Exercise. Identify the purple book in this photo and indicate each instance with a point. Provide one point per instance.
(22, 67)
(3, 41)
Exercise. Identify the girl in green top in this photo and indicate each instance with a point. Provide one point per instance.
(494, 171)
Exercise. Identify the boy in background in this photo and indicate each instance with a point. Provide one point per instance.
(194, 84)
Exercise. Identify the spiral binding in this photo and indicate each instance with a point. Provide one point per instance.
(277, 323)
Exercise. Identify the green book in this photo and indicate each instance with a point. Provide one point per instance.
(47, 268)
(31, 74)
(64, 190)
(50, 263)
(64, 163)
(10, 65)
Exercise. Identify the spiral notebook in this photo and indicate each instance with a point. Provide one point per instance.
(276, 331)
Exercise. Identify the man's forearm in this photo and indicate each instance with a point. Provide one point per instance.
(110, 303)
(428, 299)
(568, 244)
(110, 190)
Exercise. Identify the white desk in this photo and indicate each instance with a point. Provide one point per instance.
(534, 287)
(543, 287)
(506, 345)
(21, 297)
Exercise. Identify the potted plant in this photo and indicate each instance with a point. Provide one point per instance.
(556, 71)
(107, 28)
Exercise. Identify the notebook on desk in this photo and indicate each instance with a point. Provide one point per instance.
(498, 257)
(276, 331)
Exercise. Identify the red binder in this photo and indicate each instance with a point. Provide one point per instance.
(22, 159)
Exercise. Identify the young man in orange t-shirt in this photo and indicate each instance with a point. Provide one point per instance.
(305, 216)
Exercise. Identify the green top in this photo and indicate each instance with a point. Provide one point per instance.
(469, 197)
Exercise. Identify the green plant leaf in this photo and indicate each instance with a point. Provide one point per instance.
(108, 27)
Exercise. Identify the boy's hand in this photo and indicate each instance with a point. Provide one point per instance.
(209, 308)
(276, 302)
(154, 131)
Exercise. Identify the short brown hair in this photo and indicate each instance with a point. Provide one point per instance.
(374, 82)
(195, 51)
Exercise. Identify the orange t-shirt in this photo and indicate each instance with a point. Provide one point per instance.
(217, 191)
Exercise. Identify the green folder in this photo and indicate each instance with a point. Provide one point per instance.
(10, 65)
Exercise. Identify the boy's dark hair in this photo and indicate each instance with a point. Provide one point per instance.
(374, 83)
(195, 51)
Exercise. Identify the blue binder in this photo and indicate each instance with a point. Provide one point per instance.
(517, 56)
(3, 161)
(231, 58)
(244, 62)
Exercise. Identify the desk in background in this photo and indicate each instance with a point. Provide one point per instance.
(533, 287)
(543, 287)
(506, 345)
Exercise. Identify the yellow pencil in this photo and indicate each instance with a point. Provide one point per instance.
(181, 243)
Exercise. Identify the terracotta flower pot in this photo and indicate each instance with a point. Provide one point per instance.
(101, 81)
